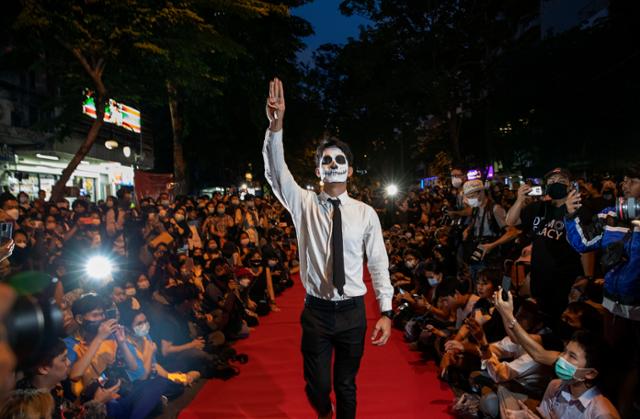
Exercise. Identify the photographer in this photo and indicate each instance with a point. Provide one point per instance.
(554, 263)
(487, 229)
(614, 233)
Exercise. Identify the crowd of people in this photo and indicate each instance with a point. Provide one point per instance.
(152, 296)
(527, 296)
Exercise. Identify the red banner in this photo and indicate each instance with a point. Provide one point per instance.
(152, 184)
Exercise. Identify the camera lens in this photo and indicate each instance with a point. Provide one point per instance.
(628, 209)
(35, 320)
(31, 326)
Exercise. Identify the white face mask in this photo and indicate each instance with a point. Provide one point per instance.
(433, 281)
(473, 202)
(456, 182)
(13, 213)
(142, 329)
(334, 167)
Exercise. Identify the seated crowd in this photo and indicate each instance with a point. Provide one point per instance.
(564, 341)
(190, 277)
(196, 274)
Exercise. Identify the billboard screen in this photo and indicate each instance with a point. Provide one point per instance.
(114, 113)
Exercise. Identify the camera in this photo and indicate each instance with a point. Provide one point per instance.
(628, 209)
(34, 321)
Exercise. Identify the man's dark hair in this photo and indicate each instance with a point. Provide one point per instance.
(46, 357)
(590, 318)
(5, 197)
(86, 304)
(334, 142)
(595, 349)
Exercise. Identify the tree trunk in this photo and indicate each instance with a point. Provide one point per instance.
(95, 72)
(177, 125)
(57, 192)
(454, 135)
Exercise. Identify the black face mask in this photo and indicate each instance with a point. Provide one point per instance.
(607, 194)
(557, 190)
(90, 327)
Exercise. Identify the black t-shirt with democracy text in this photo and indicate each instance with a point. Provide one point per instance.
(551, 253)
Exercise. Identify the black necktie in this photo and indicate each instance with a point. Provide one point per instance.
(336, 247)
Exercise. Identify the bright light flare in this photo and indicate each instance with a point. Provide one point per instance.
(99, 267)
(392, 190)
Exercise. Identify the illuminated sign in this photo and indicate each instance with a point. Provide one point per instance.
(114, 113)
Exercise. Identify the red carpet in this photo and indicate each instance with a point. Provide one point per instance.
(392, 383)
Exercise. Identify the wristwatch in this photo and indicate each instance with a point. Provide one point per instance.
(389, 313)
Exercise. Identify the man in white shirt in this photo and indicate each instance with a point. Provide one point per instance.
(331, 265)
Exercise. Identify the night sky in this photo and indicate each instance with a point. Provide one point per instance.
(329, 25)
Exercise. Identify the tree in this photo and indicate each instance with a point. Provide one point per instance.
(417, 72)
(58, 31)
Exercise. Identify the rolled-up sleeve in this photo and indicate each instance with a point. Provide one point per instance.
(378, 261)
(278, 175)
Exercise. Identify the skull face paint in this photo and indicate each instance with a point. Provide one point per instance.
(334, 166)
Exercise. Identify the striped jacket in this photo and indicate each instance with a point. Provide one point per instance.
(622, 282)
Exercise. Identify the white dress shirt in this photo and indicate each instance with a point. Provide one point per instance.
(558, 403)
(312, 217)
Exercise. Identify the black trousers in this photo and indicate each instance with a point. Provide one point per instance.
(338, 329)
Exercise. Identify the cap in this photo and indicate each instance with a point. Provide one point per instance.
(558, 171)
(472, 186)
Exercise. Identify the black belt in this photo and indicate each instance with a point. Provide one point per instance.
(337, 305)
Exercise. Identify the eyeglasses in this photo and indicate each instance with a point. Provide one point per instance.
(340, 159)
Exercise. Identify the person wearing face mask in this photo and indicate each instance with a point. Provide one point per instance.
(486, 230)
(246, 246)
(248, 219)
(219, 224)
(93, 348)
(575, 394)
(21, 257)
(554, 263)
(9, 205)
(617, 237)
(150, 373)
(143, 290)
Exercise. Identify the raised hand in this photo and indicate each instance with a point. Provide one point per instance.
(275, 105)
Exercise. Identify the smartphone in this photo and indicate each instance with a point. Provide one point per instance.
(506, 286)
(576, 187)
(111, 313)
(6, 231)
(535, 191)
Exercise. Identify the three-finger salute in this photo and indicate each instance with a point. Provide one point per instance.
(275, 105)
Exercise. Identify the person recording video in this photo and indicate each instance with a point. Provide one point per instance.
(615, 231)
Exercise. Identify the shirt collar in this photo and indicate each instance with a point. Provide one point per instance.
(343, 197)
(585, 399)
